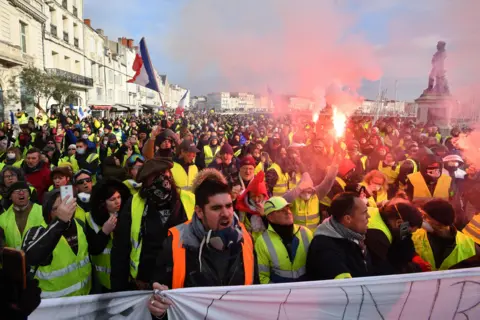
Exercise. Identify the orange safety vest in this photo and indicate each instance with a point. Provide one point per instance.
(179, 261)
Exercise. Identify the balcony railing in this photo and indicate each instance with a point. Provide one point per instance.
(65, 4)
(72, 77)
(75, 42)
(65, 36)
(75, 11)
(53, 30)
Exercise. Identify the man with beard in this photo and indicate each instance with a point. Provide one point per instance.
(284, 174)
(212, 249)
(316, 159)
(37, 172)
(142, 226)
(360, 160)
(429, 182)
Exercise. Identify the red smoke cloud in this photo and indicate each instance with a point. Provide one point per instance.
(298, 47)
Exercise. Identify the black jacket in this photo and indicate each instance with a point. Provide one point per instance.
(218, 268)
(153, 238)
(328, 257)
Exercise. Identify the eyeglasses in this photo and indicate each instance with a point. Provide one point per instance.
(18, 191)
(134, 158)
(10, 176)
(82, 181)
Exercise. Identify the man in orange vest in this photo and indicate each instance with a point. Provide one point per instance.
(212, 249)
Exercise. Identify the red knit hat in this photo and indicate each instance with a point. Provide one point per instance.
(257, 186)
(247, 161)
(345, 167)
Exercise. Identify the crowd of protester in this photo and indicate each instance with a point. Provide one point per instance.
(205, 199)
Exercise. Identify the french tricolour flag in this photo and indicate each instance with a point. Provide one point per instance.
(181, 105)
(145, 74)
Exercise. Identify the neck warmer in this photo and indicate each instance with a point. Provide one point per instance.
(331, 228)
(284, 231)
(160, 192)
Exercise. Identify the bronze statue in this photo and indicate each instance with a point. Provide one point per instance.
(437, 80)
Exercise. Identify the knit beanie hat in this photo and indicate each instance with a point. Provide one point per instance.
(441, 211)
(226, 149)
(248, 161)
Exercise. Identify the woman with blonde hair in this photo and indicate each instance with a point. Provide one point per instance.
(376, 184)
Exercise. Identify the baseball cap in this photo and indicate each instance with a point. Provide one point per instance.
(188, 146)
(274, 204)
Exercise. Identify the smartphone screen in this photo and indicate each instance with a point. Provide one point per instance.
(14, 267)
(66, 191)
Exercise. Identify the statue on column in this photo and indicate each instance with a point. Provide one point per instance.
(437, 80)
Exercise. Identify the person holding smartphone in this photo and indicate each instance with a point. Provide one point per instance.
(58, 250)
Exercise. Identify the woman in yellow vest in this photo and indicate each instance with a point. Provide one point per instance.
(134, 164)
(13, 156)
(376, 185)
(438, 242)
(108, 198)
(57, 251)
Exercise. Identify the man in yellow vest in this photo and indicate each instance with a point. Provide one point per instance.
(211, 249)
(58, 250)
(282, 249)
(409, 166)
(142, 226)
(438, 242)
(389, 238)
(210, 151)
(20, 217)
(429, 182)
(184, 172)
(284, 174)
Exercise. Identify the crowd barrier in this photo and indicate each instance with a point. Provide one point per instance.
(451, 295)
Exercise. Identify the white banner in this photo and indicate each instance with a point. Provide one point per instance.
(435, 295)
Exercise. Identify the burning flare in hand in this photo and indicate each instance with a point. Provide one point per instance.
(315, 117)
(339, 122)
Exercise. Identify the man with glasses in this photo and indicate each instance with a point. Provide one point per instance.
(82, 181)
(21, 216)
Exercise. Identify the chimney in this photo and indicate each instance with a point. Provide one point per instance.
(100, 32)
(88, 22)
(130, 43)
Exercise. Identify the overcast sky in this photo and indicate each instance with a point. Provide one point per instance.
(301, 46)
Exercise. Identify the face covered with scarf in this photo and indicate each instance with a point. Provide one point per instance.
(160, 189)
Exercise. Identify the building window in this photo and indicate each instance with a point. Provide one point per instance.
(110, 94)
(99, 94)
(23, 37)
(110, 76)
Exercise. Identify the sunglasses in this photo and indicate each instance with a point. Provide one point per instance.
(82, 181)
(136, 157)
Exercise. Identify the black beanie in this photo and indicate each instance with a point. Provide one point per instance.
(18, 186)
(441, 211)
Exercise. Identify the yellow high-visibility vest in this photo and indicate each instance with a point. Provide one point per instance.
(421, 191)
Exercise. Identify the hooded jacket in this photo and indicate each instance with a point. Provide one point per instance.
(218, 268)
(256, 186)
(330, 255)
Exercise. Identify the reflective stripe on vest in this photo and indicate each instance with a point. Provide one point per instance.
(464, 249)
(306, 213)
(284, 182)
(8, 223)
(300, 257)
(326, 201)
(68, 274)
(138, 207)
(376, 222)
(472, 229)
(209, 155)
(179, 252)
(421, 191)
(101, 262)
